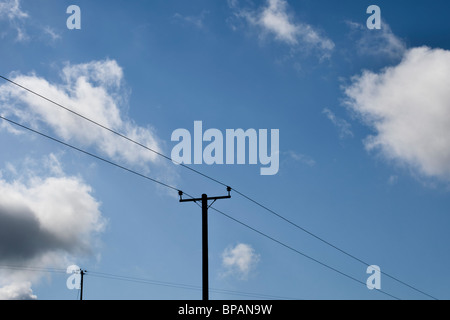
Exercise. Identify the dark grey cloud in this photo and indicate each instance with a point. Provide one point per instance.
(44, 222)
(22, 237)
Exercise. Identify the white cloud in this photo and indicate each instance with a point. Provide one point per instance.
(45, 221)
(17, 291)
(10, 10)
(342, 125)
(301, 158)
(393, 180)
(408, 107)
(196, 21)
(275, 19)
(240, 260)
(24, 26)
(9, 128)
(21, 34)
(92, 89)
(381, 42)
(51, 33)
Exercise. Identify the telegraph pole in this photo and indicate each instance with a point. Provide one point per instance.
(204, 200)
(81, 287)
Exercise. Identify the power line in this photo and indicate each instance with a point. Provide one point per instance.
(299, 252)
(180, 285)
(108, 129)
(141, 280)
(330, 244)
(173, 188)
(186, 286)
(33, 269)
(110, 276)
(212, 179)
(91, 154)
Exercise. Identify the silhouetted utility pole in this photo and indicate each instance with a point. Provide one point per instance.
(204, 199)
(81, 287)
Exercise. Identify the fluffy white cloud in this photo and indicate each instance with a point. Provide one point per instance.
(408, 106)
(45, 221)
(17, 291)
(275, 19)
(93, 90)
(240, 260)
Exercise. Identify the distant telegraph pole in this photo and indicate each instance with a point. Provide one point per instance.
(81, 287)
(204, 200)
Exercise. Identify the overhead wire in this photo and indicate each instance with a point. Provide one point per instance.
(332, 245)
(293, 249)
(110, 276)
(90, 154)
(193, 170)
(180, 285)
(174, 188)
(109, 129)
(32, 269)
(300, 252)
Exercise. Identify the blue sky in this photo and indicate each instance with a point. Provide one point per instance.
(364, 155)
